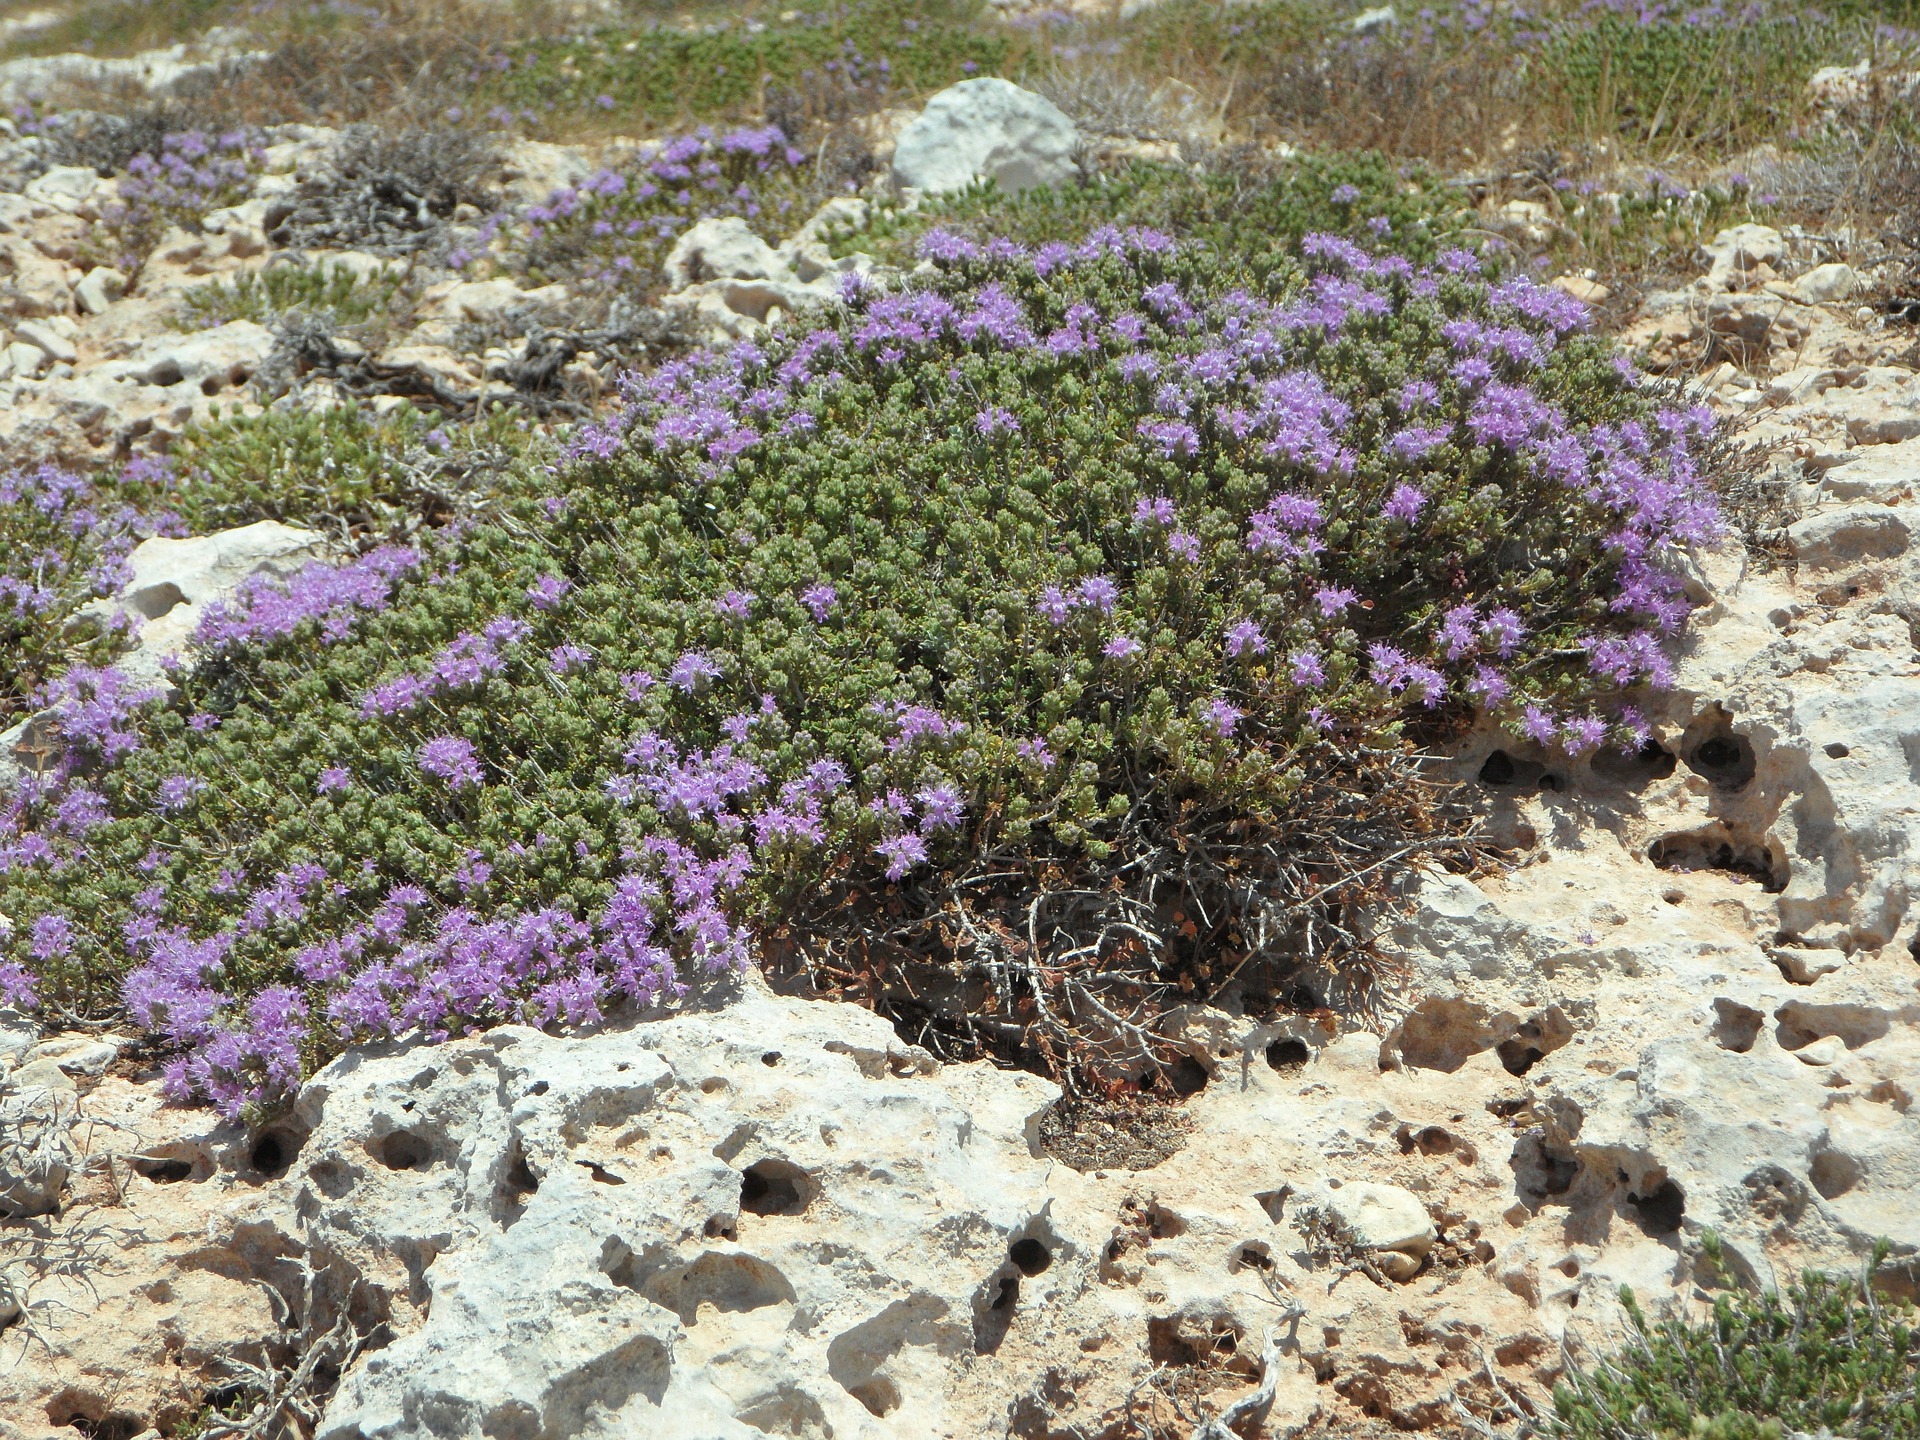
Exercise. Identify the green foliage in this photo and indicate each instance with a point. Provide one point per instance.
(336, 291)
(294, 466)
(1827, 1355)
(343, 468)
(665, 73)
(1240, 210)
(1673, 82)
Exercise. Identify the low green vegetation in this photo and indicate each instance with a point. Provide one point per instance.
(345, 295)
(1827, 1356)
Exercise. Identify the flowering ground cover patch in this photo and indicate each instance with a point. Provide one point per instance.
(64, 540)
(1028, 578)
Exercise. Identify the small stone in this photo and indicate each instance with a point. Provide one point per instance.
(1385, 1220)
(99, 288)
(1588, 292)
(1825, 285)
(25, 360)
(57, 346)
(1828, 1050)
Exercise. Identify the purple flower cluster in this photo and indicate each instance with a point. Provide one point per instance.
(611, 231)
(267, 610)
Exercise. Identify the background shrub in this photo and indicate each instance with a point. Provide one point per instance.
(1828, 1356)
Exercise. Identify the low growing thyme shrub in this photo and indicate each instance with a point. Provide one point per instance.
(1828, 1356)
(1070, 569)
(63, 541)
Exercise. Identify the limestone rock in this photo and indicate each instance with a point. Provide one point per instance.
(1385, 1220)
(722, 249)
(1743, 248)
(1849, 535)
(99, 288)
(31, 282)
(174, 581)
(1883, 473)
(1829, 284)
(985, 129)
(65, 187)
(208, 360)
(627, 1230)
(58, 348)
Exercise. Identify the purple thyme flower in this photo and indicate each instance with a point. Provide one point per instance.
(176, 792)
(1155, 510)
(1096, 592)
(1220, 717)
(452, 759)
(547, 591)
(564, 659)
(902, 853)
(1121, 647)
(820, 601)
(1333, 599)
(1405, 504)
(691, 671)
(1244, 638)
(52, 937)
(1306, 668)
(940, 808)
(734, 605)
(994, 422)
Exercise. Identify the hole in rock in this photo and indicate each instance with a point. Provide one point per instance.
(1175, 1340)
(1009, 1295)
(539, 1087)
(1836, 751)
(1714, 751)
(1030, 1255)
(1834, 1173)
(163, 1172)
(1517, 1056)
(1186, 1076)
(1498, 770)
(403, 1150)
(729, 1283)
(1674, 897)
(1540, 1172)
(1288, 1054)
(1434, 1141)
(154, 601)
(879, 1394)
(1713, 847)
(1736, 1026)
(771, 1058)
(1254, 1253)
(1642, 766)
(1661, 1210)
(331, 1179)
(1274, 1202)
(1552, 782)
(520, 1181)
(775, 1187)
(273, 1151)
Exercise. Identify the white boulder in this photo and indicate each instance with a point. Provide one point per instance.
(986, 129)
